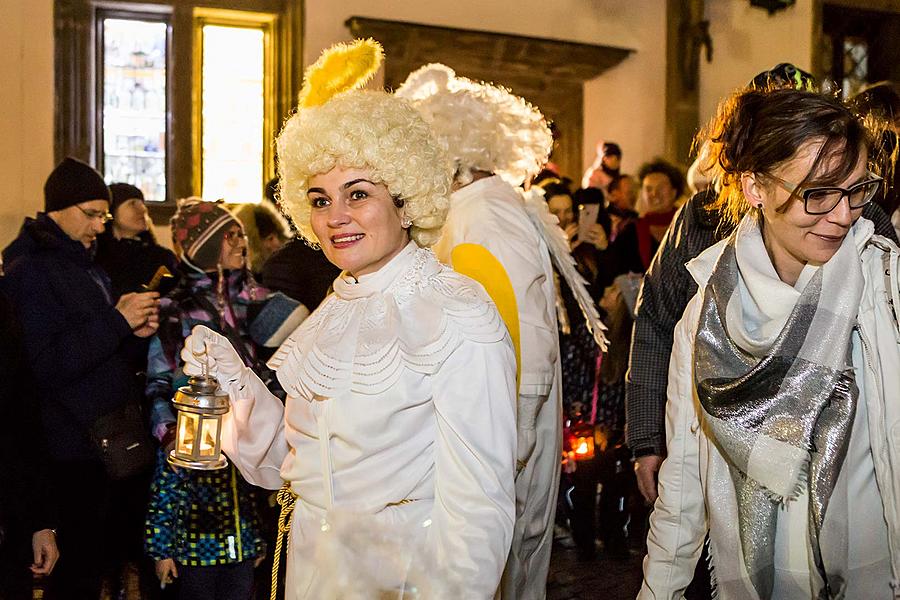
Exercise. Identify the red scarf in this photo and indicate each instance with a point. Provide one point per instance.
(645, 238)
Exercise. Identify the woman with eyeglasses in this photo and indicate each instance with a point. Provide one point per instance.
(782, 415)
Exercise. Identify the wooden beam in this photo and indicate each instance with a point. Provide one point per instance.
(888, 6)
(549, 73)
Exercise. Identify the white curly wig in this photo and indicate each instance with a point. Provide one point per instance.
(366, 130)
(483, 127)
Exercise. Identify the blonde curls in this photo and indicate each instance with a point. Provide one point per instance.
(366, 130)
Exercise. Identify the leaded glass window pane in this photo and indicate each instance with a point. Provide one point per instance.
(134, 104)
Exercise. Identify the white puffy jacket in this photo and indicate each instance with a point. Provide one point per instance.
(695, 490)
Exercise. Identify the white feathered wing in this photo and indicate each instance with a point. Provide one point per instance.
(548, 227)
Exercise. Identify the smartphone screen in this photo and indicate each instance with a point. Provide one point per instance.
(587, 216)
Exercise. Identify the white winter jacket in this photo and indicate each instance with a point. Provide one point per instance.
(696, 494)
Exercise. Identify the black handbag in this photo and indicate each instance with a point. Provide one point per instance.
(122, 442)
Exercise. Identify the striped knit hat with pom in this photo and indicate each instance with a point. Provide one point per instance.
(198, 228)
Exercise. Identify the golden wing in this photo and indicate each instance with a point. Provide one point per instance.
(475, 261)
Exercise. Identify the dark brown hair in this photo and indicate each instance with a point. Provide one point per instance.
(758, 131)
(556, 189)
(880, 99)
(672, 173)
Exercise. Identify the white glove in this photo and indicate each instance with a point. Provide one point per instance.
(206, 346)
(525, 428)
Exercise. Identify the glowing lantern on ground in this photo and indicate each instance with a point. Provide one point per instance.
(581, 441)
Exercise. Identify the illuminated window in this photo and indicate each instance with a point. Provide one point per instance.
(180, 98)
(235, 115)
(134, 104)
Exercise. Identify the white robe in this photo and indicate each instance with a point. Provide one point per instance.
(398, 435)
(490, 212)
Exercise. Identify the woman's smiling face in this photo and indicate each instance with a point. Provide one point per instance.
(356, 220)
(793, 237)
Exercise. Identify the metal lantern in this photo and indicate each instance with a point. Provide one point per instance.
(198, 430)
(581, 441)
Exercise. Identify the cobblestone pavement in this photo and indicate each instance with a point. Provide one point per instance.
(603, 578)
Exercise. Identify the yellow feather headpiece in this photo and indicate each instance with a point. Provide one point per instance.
(341, 68)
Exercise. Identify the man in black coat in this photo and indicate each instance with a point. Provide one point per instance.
(27, 506)
(80, 348)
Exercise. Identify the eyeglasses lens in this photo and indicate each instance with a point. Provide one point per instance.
(824, 200)
(234, 237)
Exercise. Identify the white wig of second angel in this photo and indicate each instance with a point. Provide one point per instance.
(482, 127)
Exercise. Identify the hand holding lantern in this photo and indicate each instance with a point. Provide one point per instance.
(219, 358)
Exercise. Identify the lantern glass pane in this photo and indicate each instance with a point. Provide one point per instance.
(187, 433)
(209, 436)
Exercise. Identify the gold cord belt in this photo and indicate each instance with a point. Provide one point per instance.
(286, 499)
(402, 502)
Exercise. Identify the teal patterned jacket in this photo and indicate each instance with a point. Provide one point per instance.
(202, 518)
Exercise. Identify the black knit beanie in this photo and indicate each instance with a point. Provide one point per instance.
(71, 182)
(121, 192)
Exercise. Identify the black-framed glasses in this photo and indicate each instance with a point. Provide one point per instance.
(822, 200)
(235, 236)
(92, 214)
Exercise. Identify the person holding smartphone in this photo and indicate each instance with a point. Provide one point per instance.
(79, 342)
(127, 249)
(633, 248)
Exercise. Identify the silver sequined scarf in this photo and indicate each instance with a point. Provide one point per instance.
(781, 421)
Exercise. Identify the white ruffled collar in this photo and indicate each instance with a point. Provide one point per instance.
(410, 314)
(348, 287)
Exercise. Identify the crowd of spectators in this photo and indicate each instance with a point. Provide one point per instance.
(94, 312)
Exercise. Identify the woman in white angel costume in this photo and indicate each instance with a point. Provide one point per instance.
(398, 435)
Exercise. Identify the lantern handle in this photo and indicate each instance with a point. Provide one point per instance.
(204, 368)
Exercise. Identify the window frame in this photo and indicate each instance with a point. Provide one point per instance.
(156, 14)
(78, 80)
(268, 23)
